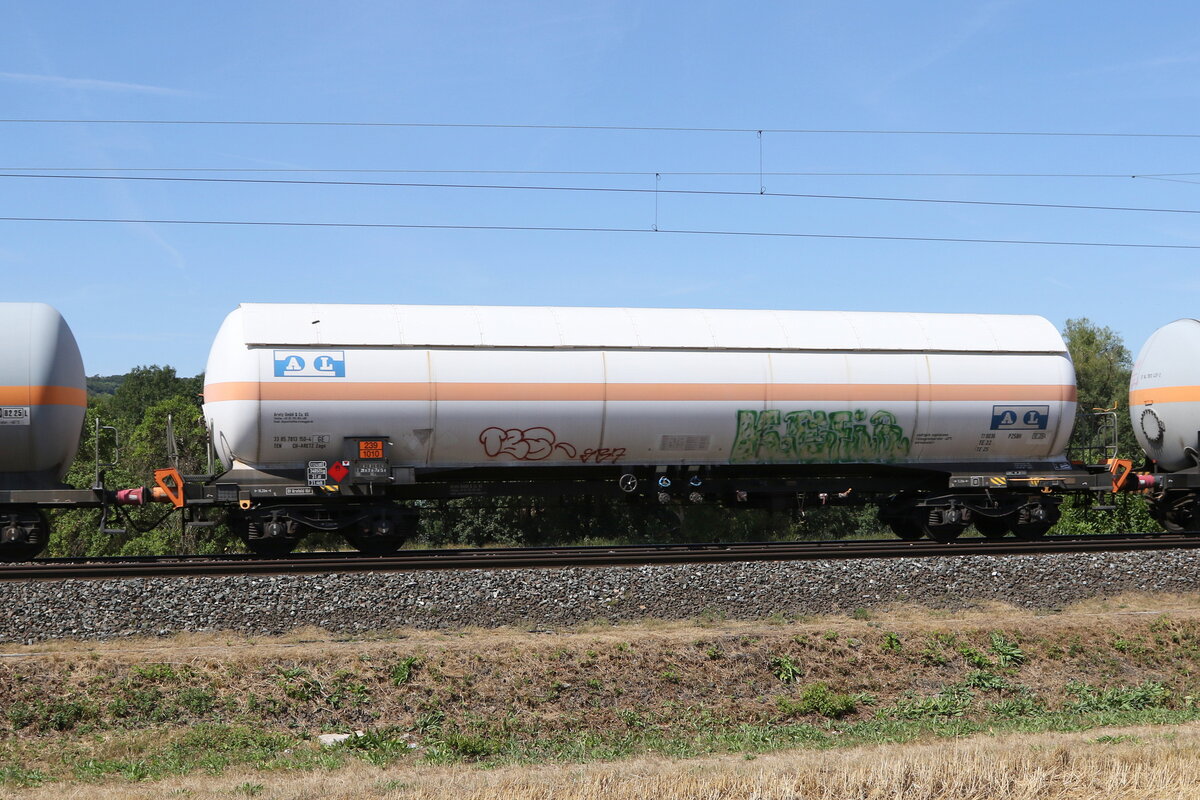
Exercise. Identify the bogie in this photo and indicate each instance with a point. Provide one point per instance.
(265, 535)
(1176, 512)
(23, 534)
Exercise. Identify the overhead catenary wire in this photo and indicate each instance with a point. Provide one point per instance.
(635, 173)
(584, 229)
(656, 191)
(579, 127)
(1170, 180)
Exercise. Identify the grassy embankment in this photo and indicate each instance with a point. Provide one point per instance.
(176, 713)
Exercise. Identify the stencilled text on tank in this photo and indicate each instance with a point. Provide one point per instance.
(14, 415)
(812, 435)
(312, 441)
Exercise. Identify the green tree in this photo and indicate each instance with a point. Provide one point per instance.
(145, 386)
(139, 410)
(1102, 369)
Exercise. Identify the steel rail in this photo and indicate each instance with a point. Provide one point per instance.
(634, 555)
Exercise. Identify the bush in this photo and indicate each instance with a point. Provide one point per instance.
(818, 698)
(785, 669)
(402, 671)
(952, 702)
(196, 701)
(1149, 694)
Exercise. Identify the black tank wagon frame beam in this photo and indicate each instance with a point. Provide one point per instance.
(366, 501)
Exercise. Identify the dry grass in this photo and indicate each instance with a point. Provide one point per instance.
(593, 673)
(1123, 764)
(581, 680)
(315, 642)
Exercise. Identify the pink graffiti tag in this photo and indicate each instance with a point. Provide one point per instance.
(530, 444)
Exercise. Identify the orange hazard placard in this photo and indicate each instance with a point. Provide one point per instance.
(370, 449)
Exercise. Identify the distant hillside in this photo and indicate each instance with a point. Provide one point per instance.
(104, 385)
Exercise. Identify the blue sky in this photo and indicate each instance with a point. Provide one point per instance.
(155, 293)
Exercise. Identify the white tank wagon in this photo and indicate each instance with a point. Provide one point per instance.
(328, 413)
(1164, 409)
(43, 399)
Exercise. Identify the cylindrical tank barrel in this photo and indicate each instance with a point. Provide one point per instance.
(43, 396)
(486, 386)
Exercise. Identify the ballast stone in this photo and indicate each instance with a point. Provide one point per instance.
(545, 598)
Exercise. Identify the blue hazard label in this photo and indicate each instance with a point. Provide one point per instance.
(1020, 418)
(310, 364)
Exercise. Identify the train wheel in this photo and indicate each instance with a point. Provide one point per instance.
(1027, 531)
(271, 547)
(1033, 521)
(1166, 519)
(942, 524)
(23, 535)
(906, 529)
(1176, 512)
(19, 552)
(993, 527)
(898, 515)
(375, 545)
(276, 538)
(382, 532)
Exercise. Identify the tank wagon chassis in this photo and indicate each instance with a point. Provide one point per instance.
(24, 526)
(377, 505)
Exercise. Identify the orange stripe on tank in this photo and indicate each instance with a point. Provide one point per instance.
(1165, 394)
(42, 396)
(630, 392)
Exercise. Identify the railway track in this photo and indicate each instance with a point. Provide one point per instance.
(633, 555)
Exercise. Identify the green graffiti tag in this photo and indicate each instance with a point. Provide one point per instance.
(772, 436)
